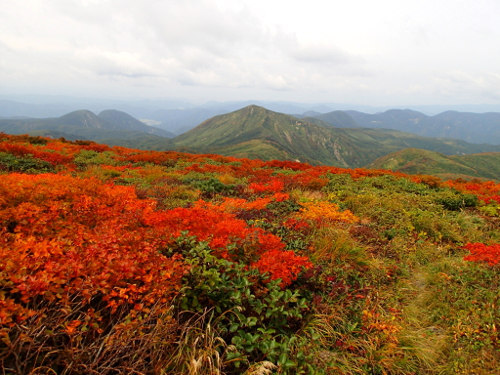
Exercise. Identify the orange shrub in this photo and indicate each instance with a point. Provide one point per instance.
(77, 242)
(324, 212)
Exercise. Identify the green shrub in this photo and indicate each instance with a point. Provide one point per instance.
(86, 158)
(211, 186)
(26, 164)
(255, 315)
(455, 201)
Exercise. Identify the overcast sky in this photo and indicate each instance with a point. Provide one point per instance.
(383, 52)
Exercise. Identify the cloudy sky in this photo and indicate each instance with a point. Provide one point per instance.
(384, 52)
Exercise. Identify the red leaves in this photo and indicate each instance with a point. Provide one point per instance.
(211, 223)
(67, 240)
(79, 238)
(273, 185)
(480, 252)
(284, 265)
(487, 191)
(19, 149)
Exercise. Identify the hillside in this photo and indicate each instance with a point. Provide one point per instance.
(470, 127)
(256, 132)
(417, 161)
(85, 124)
(117, 260)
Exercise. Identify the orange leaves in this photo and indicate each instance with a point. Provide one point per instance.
(273, 185)
(11, 312)
(384, 330)
(238, 204)
(73, 240)
(72, 326)
(324, 212)
(480, 252)
(487, 191)
(212, 223)
(284, 265)
(207, 224)
(20, 149)
(220, 228)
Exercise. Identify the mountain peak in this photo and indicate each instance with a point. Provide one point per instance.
(121, 118)
(83, 118)
(253, 109)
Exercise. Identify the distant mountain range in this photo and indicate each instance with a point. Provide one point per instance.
(471, 127)
(256, 132)
(179, 116)
(84, 124)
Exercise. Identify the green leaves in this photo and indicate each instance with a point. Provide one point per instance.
(253, 313)
(26, 164)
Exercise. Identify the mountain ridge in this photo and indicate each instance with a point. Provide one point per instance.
(85, 124)
(300, 139)
(251, 132)
(468, 126)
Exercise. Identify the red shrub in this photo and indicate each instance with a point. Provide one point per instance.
(480, 252)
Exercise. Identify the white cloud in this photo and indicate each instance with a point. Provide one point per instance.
(383, 52)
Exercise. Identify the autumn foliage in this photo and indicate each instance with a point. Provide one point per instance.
(480, 252)
(325, 212)
(120, 250)
(77, 242)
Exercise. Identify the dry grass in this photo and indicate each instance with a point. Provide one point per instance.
(200, 349)
(137, 347)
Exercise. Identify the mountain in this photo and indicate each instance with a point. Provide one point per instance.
(418, 161)
(84, 124)
(340, 119)
(399, 119)
(256, 132)
(471, 127)
(179, 116)
(122, 121)
(182, 120)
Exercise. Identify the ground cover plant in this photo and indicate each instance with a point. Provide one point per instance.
(121, 261)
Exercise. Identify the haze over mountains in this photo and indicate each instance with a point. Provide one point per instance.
(471, 127)
(85, 124)
(178, 116)
(340, 138)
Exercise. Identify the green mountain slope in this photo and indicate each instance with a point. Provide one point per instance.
(259, 133)
(417, 161)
